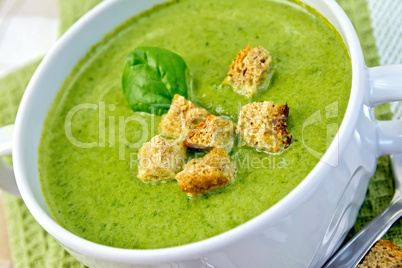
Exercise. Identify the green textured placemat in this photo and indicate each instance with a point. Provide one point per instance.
(381, 187)
(71, 10)
(358, 13)
(32, 247)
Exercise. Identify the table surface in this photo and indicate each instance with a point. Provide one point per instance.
(22, 22)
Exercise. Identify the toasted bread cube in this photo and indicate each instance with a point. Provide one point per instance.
(212, 132)
(206, 174)
(384, 254)
(262, 125)
(161, 159)
(181, 118)
(249, 71)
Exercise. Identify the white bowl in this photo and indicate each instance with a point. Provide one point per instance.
(301, 230)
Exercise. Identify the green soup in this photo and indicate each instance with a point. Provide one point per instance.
(93, 191)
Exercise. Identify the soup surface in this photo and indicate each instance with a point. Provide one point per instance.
(88, 151)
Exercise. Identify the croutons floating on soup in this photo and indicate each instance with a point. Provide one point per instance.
(206, 174)
(249, 72)
(262, 125)
(182, 117)
(212, 132)
(161, 159)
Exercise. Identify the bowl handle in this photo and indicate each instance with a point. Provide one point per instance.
(386, 86)
(7, 179)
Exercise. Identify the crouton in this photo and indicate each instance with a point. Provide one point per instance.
(181, 118)
(262, 125)
(206, 174)
(212, 132)
(161, 159)
(249, 71)
(383, 254)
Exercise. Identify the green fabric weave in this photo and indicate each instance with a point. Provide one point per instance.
(381, 187)
(358, 13)
(32, 247)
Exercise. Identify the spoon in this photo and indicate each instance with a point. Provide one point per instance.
(353, 252)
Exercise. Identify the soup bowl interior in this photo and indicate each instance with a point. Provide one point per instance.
(58, 64)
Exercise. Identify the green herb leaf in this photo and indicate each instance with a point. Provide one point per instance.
(151, 77)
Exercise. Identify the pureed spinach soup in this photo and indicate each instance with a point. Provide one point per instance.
(88, 152)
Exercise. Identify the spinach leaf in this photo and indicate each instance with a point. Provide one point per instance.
(151, 77)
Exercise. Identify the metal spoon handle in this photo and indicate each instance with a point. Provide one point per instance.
(354, 251)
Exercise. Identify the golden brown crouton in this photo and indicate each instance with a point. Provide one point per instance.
(249, 71)
(262, 125)
(212, 132)
(206, 174)
(161, 159)
(182, 117)
(383, 254)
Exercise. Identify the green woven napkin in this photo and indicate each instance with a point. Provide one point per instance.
(32, 247)
(381, 187)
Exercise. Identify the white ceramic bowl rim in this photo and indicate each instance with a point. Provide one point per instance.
(301, 192)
